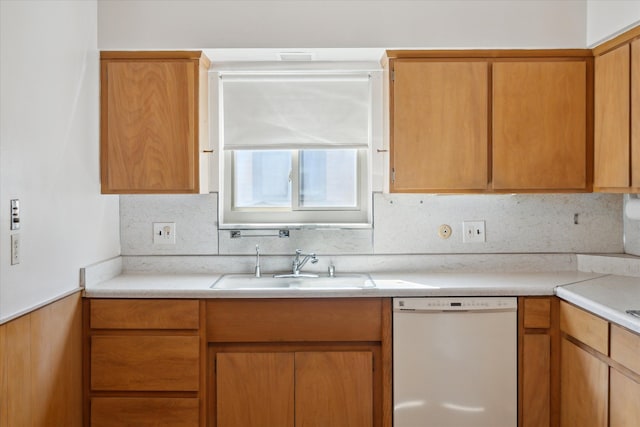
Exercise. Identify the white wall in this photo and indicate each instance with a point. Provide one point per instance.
(607, 18)
(153, 24)
(49, 150)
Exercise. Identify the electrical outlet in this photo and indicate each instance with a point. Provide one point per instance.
(473, 232)
(15, 249)
(164, 233)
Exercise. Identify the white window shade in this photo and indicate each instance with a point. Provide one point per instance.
(295, 112)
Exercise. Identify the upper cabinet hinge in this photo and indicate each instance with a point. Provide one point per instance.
(393, 175)
(393, 75)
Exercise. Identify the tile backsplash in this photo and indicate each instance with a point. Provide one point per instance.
(403, 224)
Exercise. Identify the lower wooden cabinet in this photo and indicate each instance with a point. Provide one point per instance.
(538, 332)
(624, 398)
(295, 363)
(600, 371)
(315, 388)
(583, 389)
(143, 363)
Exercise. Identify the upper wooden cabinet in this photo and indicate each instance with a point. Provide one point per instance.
(539, 125)
(490, 121)
(153, 122)
(440, 112)
(617, 119)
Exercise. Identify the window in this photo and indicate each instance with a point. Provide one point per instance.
(295, 150)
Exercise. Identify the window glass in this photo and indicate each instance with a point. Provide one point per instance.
(261, 179)
(328, 178)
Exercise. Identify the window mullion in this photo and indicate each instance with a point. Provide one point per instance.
(295, 180)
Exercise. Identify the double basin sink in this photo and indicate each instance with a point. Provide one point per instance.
(249, 282)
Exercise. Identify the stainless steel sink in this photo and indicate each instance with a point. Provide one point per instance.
(250, 282)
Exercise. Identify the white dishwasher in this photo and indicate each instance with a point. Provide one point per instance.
(455, 362)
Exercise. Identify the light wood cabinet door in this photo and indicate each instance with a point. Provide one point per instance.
(151, 122)
(334, 389)
(635, 113)
(539, 125)
(584, 386)
(611, 126)
(254, 389)
(439, 126)
(536, 378)
(624, 397)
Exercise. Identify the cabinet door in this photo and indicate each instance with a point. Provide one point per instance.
(583, 389)
(539, 125)
(254, 389)
(334, 389)
(625, 401)
(635, 112)
(148, 141)
(536, 378)
(439, 126)
(611, 127)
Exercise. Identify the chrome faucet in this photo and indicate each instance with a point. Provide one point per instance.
(297, 264)
(299, 261)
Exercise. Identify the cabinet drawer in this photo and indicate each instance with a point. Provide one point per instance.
(145, 363)
(585, 327)
(144, 314)
(144, 412)
(537, 313)
(625, 348)
(278, 320)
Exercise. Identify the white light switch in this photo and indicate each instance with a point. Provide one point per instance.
(473, 232)
(164, 233)
(15, 249)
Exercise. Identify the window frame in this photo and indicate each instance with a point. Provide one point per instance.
(297, 216)
(311, 217)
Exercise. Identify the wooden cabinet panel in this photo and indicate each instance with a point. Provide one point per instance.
(144, 314)
(41, 367)
(144, 412)
(145, 363)
(585, 327)
(624, 400)
(537, 313)
(625, 348)
(291, 320)
(151, 121)
(254, 389)
(611, 127)
(584, 388)
(440, 120)
(18, 363)
(635, 113)
(334, 389)
(539, 125)
(536, 379)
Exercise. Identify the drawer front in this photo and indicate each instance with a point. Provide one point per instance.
(537, 313)
(144, 412)
(145, 363)
(144, 314)
(625, 348)
(585, 327)
(278, 320)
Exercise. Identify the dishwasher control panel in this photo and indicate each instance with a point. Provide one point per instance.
(454, 304)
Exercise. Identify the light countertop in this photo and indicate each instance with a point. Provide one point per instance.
(144, 285)
(608, 297)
